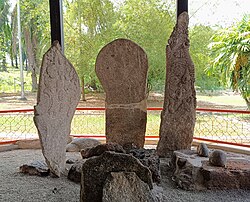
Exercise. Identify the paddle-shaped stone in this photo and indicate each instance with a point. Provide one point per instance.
(122, 68)
(57, 98)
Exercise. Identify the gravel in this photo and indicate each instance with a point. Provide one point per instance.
(17, 187)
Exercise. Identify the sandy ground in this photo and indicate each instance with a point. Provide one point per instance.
(17, 187)
(12, 101)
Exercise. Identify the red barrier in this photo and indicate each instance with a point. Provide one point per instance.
(149, 109)
(8, 142)
(221, 142)
(157, 137)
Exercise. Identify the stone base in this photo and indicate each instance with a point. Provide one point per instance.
(193, 172)
(29, 144)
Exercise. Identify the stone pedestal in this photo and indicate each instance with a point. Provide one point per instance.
(193, 172)
(122, 68)
(178, 115)
(58, 95)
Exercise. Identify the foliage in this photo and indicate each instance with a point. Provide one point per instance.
(35, 26)
(148, 23)
(231, 47)
(5, 33)
(89, 27)
(10, 81)
(200, 38)
(92, 24)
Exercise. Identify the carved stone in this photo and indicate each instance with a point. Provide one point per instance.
(178, 115)
(122, 68)
(57, 98)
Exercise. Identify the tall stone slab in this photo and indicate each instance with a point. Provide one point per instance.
(57, 98)
(122, 68)
(178, 115)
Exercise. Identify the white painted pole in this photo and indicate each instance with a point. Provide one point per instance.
(20, 50)
(61, 25)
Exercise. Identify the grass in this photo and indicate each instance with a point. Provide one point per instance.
(10, 81)
(236, 100)
(207, 125)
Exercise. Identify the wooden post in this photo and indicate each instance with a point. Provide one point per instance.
(56, 22)
(182, 6)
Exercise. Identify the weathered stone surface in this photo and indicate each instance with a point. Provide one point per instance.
(218, 158)
(236, 174)
(58, 96)
(187, 166)
(122, 68)
(75, 171)
(78, 144)
(149, 158)
(35, 168)
(193, 172)
(100, 149)
(178, 115)
(96, 169)
(126, 187)
(29, 144)
(202, 150)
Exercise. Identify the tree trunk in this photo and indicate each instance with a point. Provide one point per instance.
(4, 63)
(83, 92)
(34, 81)
(247, 102)
(16, 61)
(31, 58)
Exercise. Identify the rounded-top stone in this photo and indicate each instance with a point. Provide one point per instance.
(218, 158)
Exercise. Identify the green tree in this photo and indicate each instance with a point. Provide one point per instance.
(231, 47)
(148, 23)
(89, 27)
(200, 38)
(35, 33)
(5, 33)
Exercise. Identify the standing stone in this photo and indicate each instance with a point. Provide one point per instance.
(122, 68)
(58, 96)
(178, 115)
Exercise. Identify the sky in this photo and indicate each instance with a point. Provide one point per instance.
(212, 12)
(217, 12)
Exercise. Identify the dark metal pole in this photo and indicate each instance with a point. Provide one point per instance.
(182, 6)
(56, 21)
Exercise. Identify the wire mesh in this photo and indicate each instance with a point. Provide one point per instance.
(214, 125)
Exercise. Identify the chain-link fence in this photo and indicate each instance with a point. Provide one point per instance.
(221, 125)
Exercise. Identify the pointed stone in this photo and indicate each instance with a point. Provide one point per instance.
(178, 115)
(122, 68)
(57, 98)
